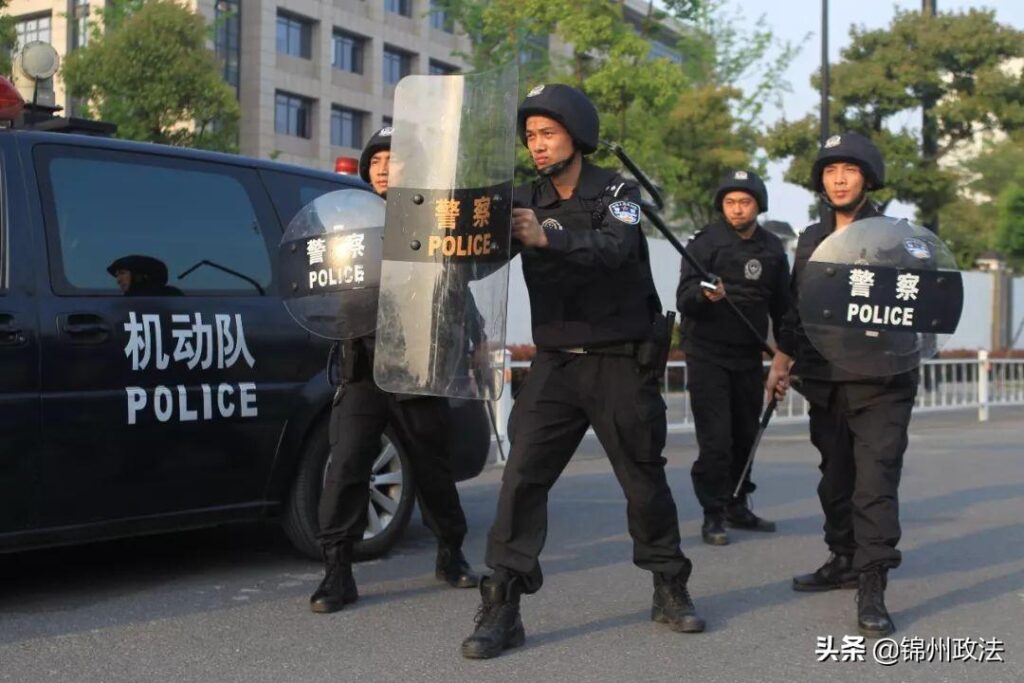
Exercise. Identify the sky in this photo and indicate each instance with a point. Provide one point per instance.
(802, 17)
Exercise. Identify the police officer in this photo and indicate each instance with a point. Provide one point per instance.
(723, 357)
(138, 275)
(859, 424)
(359, 416)
(592, 302)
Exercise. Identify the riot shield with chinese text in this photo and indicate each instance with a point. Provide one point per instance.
(444, 280)
(329, 264)
(880, 296)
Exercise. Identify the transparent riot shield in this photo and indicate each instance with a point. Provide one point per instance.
(880, 296)
(444, 280)
(329, 264)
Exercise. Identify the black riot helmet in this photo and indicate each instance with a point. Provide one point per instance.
(152, 269)
(381, 140)
(567, 105)
(853, 148)
(742, 181)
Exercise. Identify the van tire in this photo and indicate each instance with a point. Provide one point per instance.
(300, 520)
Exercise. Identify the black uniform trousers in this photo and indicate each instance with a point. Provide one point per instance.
(726, 405)
(861, 432)
(360, 414)
(563, 395)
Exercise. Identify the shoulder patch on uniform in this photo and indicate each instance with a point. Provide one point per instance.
(695, 235)
(627, 212)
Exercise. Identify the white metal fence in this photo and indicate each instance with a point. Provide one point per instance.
(954, 384)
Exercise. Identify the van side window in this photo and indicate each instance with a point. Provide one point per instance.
(292, 192)
(123, 223)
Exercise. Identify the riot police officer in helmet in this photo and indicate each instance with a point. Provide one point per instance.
(723, 358)
(593, 304)
(859, 424)
(359, 417)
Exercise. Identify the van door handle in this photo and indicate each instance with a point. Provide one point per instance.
(10, 333)
(86, 328)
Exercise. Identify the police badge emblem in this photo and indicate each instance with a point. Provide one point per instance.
(833, 141)
(917, 249)
(552, 224)
(536, 91)
(627, 212)
(752, 270)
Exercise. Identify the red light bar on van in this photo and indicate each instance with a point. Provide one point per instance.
(11, 101)
(346, 165)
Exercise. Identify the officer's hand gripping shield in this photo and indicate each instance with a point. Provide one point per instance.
(880, 296)
(444, 280)
(329, 264)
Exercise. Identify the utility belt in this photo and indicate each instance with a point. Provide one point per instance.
(650, 353)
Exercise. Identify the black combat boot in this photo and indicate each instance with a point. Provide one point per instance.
(837, 572)
(873, 619)
(713, 529)
(452, 568)
(672, 604)
(739, 516)
(338, 587)
(498, 623)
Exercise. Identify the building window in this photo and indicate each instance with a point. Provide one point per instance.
(31, 29)
(294, 36)
(292, 115)
(346, 127)
(403, 7)
(228, 43)
(397, 65)
(441, 69)
(348, 52)
(439, 19)
(79, 24)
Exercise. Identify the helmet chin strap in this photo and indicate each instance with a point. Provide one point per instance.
(554, 169)
(844, 208)
(743, 227)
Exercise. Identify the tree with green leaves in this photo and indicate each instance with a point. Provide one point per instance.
(1010, 225)
(956, 61)
(154, 76)
(8, 37)
(969, 222)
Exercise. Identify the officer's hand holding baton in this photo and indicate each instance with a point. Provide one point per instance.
(527, 230)
(778, 377)
(713, 291)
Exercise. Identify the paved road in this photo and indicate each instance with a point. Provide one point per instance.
(231, 604)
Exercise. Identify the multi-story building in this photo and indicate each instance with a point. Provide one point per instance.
(314, 78)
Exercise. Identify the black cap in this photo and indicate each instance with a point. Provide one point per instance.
(567, 105)
(853, 148)
(742, 181)
(379, 141)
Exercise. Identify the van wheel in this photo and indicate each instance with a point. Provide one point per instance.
(392, 494)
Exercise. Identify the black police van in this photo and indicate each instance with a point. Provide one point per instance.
(150, 377)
